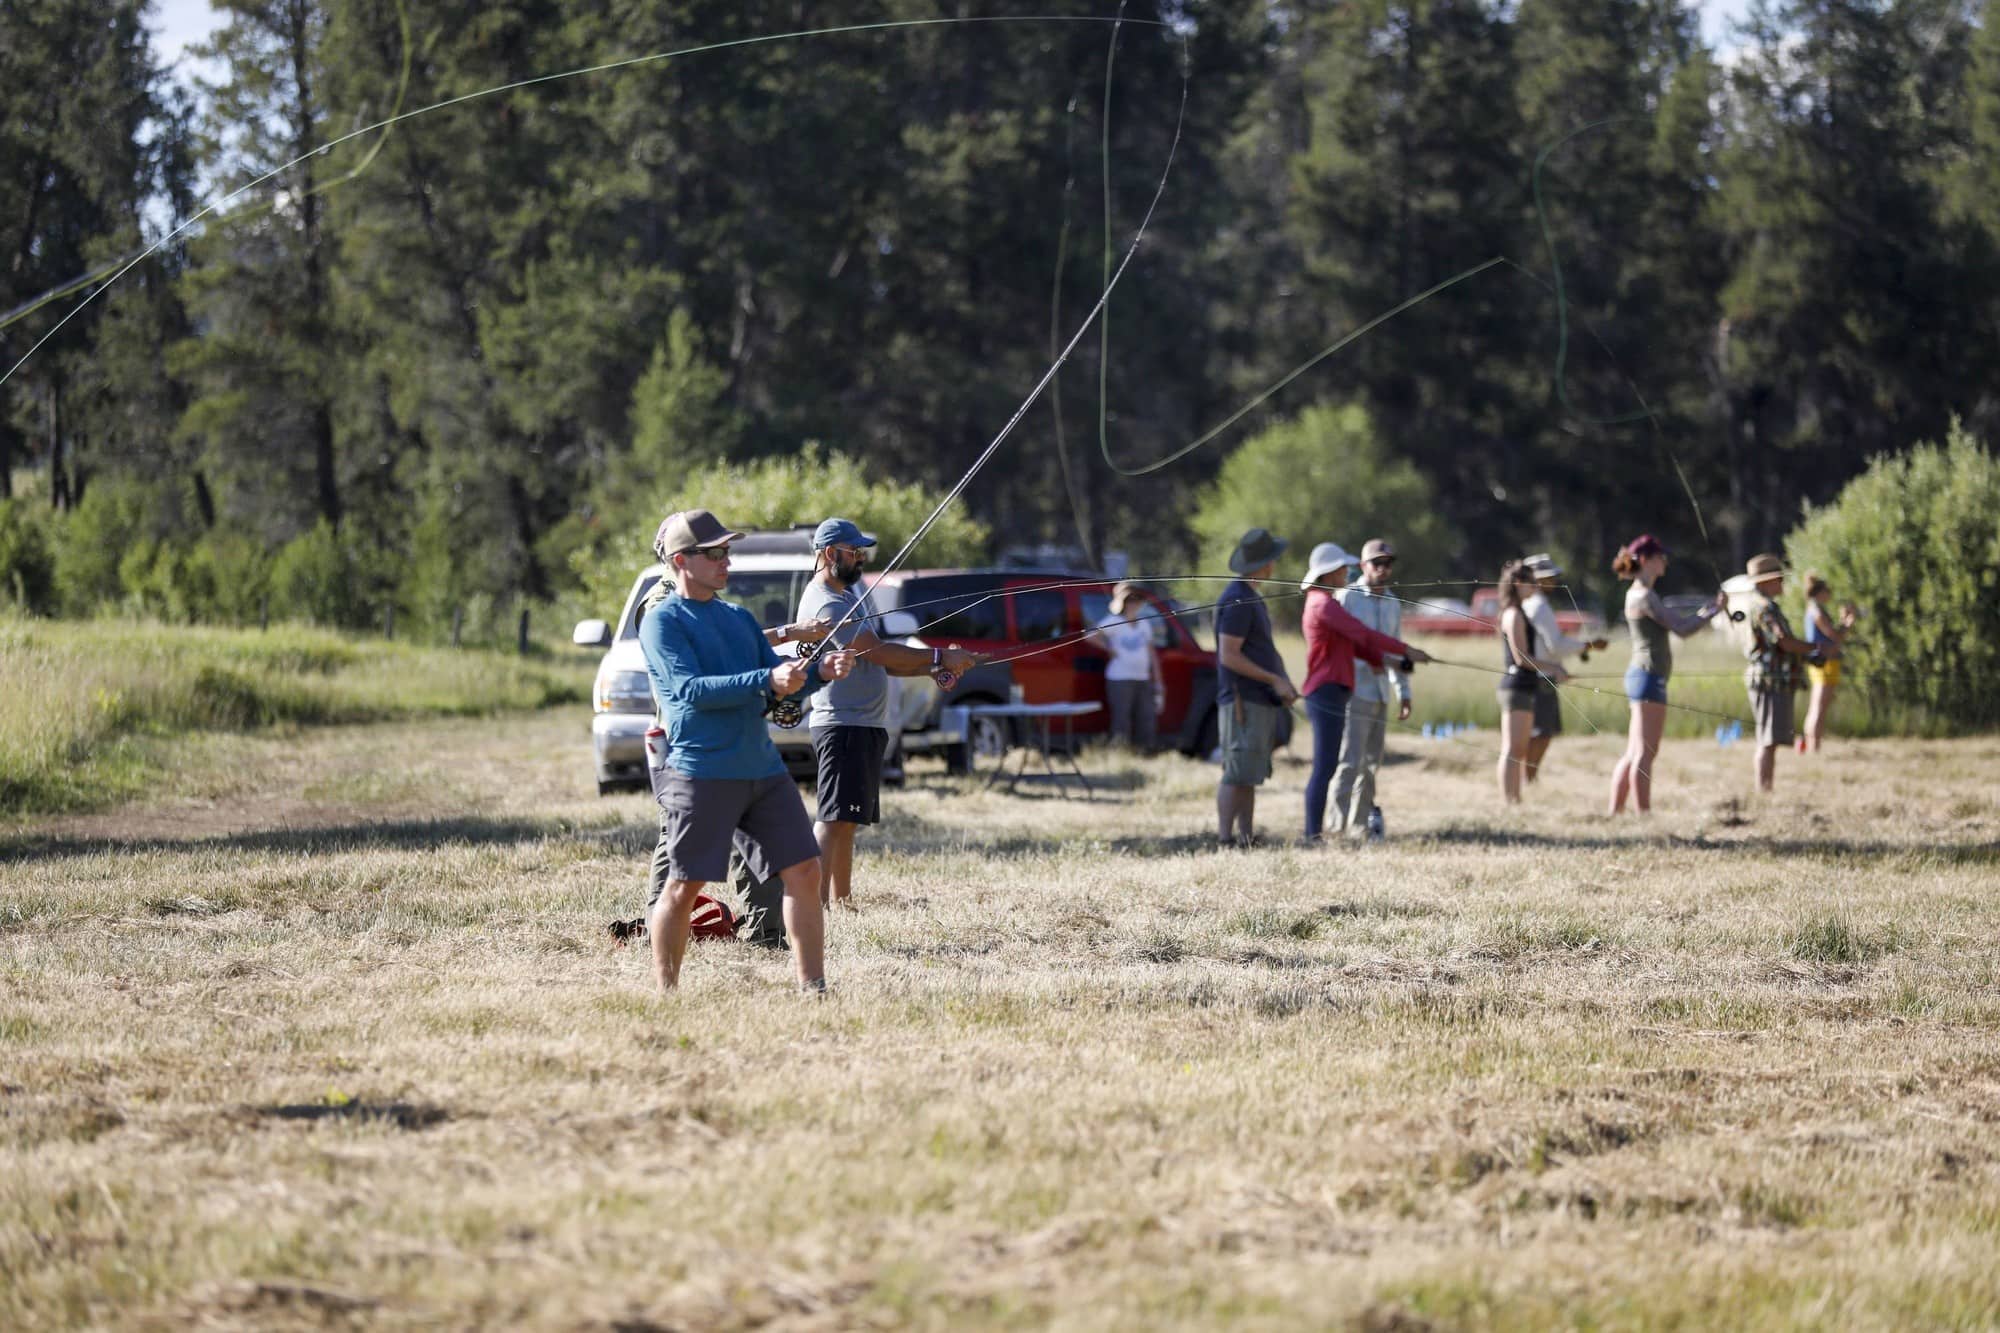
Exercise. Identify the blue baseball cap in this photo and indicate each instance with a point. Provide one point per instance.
(839, 532)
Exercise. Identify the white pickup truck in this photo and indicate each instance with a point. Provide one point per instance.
(767, 572)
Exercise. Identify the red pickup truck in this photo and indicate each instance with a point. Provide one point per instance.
(1452, 615)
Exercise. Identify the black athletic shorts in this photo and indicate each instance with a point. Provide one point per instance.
(850, 773)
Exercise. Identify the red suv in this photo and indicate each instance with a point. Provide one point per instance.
(1009, 613)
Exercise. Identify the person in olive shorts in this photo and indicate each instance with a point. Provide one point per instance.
(1773, 676)
(1643, 560)
(713, 673)
(1252, 688)
(850, 718)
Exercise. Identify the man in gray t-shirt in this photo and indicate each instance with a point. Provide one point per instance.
(850, 727)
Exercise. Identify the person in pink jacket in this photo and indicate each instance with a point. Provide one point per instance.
(1334, 638)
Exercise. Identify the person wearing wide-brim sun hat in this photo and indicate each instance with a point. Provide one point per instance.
(1252, 688)
(1334, 638)
(1773, 676)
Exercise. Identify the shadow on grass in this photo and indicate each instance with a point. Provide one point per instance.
(1817, 849)
(334, 839)
(910, 833)
(402, 1115)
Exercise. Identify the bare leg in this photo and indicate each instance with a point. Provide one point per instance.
(836, 856)
(1225, 812)
(1621, 773)
(667, 927)
(1246, 814)
(1652, 725)
(1515, 724)
(1764, 766)
(1634, 773)
(1538, 746)
(804, 924)
(1816, 711)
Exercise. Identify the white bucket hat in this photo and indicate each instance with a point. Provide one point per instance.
(1325, 558)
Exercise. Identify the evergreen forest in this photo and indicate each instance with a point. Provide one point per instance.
(461, 360)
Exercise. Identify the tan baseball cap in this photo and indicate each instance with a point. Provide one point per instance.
(1375, 548)
(689, 529)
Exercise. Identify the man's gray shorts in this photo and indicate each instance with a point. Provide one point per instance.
(1773, 711)
(698, 816)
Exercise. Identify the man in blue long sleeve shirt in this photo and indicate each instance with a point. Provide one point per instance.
(713, 672)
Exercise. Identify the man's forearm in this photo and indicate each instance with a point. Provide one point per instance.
(900, 659)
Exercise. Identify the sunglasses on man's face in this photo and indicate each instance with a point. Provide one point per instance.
(712, 552)
(1383, 561)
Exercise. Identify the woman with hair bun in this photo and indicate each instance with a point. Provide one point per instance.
(1524, 675)
(1652, 622)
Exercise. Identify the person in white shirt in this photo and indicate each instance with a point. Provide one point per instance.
(1553, 645)
(1369, 601)
(1133, 686)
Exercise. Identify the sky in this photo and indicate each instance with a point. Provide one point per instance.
(181, 23)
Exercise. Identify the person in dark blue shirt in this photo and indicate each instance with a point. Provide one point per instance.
(713, 674)
(1252, 689)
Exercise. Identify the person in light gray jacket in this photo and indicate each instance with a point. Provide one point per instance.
(1369, 601)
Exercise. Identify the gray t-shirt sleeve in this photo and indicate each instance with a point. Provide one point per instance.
(861, 700)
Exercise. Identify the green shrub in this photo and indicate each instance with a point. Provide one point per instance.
(774, 493)
(95, 539)
(314, 579)
(1915, 541)
(227, 576)
(27, 561)
(1323, 476)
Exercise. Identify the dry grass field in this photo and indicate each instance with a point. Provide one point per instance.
(327, 1033)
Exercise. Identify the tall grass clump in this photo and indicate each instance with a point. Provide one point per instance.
(77, 698)
(1828, 937)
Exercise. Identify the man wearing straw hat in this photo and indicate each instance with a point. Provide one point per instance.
(1133, 686)
(1252, 688)
(1773, 674)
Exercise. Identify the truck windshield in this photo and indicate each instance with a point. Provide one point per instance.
(771, 596)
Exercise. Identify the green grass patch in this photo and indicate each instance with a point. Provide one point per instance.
(1829, 937)
(85, 705)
